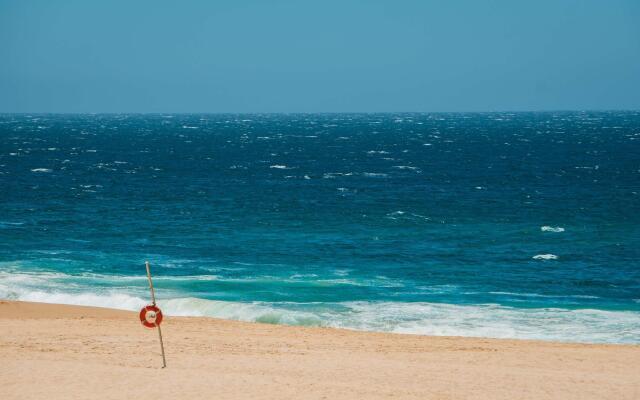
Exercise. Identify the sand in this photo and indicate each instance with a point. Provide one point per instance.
(69, 352)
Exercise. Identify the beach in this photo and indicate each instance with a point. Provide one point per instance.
(326, 200)
(70, 352)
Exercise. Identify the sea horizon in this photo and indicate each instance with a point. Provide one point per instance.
(515, 111)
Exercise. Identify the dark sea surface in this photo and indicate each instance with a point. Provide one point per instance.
(521, 225)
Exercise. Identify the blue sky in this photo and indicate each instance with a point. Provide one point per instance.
(318, 56)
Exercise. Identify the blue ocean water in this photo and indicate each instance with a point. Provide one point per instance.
(520, 225)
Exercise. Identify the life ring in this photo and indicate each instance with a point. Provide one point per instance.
(151, 316)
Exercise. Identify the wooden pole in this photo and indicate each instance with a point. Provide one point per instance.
(153, 295)
(153, 301)
(164, 360)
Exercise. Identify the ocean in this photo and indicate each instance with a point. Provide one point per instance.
(505, 225)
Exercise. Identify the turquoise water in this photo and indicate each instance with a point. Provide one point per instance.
(521, 225)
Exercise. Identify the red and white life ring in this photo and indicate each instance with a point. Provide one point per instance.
(151, 316)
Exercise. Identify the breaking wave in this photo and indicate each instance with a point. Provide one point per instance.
(422, 318)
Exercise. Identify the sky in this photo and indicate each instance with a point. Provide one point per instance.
(318, 56)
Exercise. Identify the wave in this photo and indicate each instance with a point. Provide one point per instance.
(556, 229)
(8, 224)
(548, 296)
(406, 167)
(423, 318)
(545, 257)
(489, 320)
(43, 288)
(332, 175)
(395, 215)
(438, 319)
(53, 279)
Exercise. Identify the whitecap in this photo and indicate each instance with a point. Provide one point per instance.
(40, 170)
(551, 228)
(278, 166)
(406, 216)
(545, 257)
(331, 175)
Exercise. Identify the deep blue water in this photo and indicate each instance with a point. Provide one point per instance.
(521, 225)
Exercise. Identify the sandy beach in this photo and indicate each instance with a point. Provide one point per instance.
(70, 352)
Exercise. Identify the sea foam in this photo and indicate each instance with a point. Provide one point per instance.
(556, 229)
(422, 318)
(409, 318)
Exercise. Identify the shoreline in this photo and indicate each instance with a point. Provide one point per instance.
(91, 352)
(62, 310)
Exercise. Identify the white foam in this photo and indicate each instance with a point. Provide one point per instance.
(406, 167)
(5, 223)
(498, 322)
(113, 300)
(331, 175)
(482, 320)
(556, 229)
(403, 215)
(429, 319)
(569, 296)
(40, 170)
(545, 257)
(252, 312)
(278, 166)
